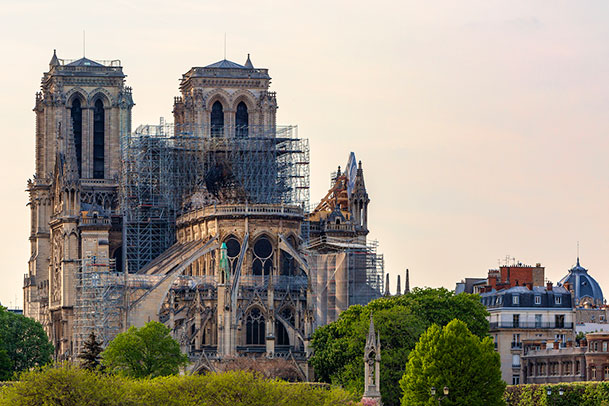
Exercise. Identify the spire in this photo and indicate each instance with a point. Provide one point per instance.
(371, 339)
(248, 63)
(387, 293)
(398, 289)
(407, 284)
(54, 59)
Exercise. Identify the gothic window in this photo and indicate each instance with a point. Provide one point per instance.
(263, 257)
(217, 119)
(288, 265)
(233, 249)
(242, 120)
(255, 328)
(98, 140)
(281, 334)
(76, 114)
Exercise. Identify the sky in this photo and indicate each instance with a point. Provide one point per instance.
(482, 126)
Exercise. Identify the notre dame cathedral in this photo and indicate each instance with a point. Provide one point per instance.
(203, 224)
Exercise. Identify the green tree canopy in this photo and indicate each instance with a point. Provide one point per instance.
(453, 357)
(149, 351)
(400, 320)
(23, 343)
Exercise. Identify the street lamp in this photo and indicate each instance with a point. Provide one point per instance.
(560, 392)
(434, 392)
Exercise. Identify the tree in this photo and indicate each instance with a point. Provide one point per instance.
(23, 341)
(90, 354)
(149, 351)
(453, 357)
(400, 320)
(6, 366)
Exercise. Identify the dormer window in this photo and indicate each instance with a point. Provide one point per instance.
(537, 300)
(558, 300)
(515, 299)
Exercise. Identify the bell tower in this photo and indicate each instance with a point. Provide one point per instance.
(81, 111)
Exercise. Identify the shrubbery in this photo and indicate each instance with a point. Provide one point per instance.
(578, 393)
(71, 386)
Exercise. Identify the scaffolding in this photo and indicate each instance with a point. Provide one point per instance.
(99, 300)
(169, 169)
(342, 275)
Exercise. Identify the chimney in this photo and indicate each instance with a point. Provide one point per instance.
(567, 286)
(407, 288)
(549, 286)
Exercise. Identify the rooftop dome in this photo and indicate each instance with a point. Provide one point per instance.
(585, 289)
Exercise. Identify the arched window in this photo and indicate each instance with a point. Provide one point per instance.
(263, 257)
(98, 140)
(287, 263)
(241, 120)
(255, 328)
(217, 119)
(118, 259)
(281, 332)
(77, 130)
(233, 249)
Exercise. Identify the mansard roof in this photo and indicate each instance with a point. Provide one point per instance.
(583, 284)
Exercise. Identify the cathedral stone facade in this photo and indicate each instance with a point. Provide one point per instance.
(245, 269)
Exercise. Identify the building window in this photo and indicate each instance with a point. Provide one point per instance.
(577, 368)
(593, 373)
(606, 376)
(515, 360)
(516, 320)
(217, 119)
(255, 328)
(98, 139)
(515, 299)
(76, 114)
(596, 346)
(604, 346)
(263, 257)
(538, 321)
(241, 120)
(280, 331)
(515, 379)
(559, 321)
(537, 300)
(558, 300)
(233, 249)
(500, 300)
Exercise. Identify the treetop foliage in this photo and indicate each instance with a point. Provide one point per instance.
(23, 344)
(399, 320)
(149, 351)
(453, 357)
(68, 385)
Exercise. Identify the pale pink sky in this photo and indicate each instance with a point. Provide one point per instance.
(482, 125)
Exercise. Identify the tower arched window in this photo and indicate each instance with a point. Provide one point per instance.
(263, 257)
(217, 119)
(255, 329)
(98, 139)
(241, 120)
(76, 113)
(281, 333)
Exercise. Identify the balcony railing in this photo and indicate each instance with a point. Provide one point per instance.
(516, 346)
(530, 325)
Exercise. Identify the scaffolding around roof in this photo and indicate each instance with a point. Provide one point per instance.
(169, 169)
(99, 301)
(344, 275)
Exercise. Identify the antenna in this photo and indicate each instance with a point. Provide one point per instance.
(577, 250)
(225, 45)
(83, 43)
